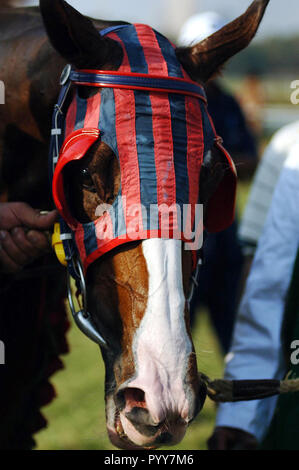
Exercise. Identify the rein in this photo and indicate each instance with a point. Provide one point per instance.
(222, 391)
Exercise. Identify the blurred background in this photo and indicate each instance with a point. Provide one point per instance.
(260, 79)
(260, 75)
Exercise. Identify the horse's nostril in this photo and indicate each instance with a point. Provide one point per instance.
(129, 398)
(132, 403)
(134, 397)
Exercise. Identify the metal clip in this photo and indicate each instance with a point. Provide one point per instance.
(82, 318)
(65, 74)
(218, 140)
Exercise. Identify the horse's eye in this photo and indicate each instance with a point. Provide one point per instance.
(87, 181)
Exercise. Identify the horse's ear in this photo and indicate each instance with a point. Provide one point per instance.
(204, 60)
(75, 37)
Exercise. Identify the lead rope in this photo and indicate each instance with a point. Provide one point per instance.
(222, 391)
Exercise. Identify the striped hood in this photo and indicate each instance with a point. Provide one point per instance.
(159, 140)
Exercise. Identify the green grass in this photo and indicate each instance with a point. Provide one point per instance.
(77, 416)
(242, 196)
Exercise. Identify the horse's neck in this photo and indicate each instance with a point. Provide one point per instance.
(16, 21)
(30, 69)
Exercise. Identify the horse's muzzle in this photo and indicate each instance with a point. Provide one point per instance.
(137, 424)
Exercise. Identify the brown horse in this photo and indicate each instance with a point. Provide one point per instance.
(136, 293)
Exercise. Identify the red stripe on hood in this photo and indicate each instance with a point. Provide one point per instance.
(162, 128)
(125, 116)
(70, 120)
(92, 116)
(195, 149)
(79, 237)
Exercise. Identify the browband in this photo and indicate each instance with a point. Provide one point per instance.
(137, 81)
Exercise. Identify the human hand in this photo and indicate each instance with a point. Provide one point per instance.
(22, 235)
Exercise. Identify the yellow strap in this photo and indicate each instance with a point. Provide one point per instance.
(58, 245)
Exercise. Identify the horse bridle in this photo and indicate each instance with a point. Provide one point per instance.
(98, 78)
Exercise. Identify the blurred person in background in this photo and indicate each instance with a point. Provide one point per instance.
(222, 254)
(268, 322)
(261, 192)
(252, 99)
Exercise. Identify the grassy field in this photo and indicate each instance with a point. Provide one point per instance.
(77, 416)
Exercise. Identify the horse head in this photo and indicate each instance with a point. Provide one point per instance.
(125, 142)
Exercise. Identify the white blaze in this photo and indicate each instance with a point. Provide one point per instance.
(162, 346)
